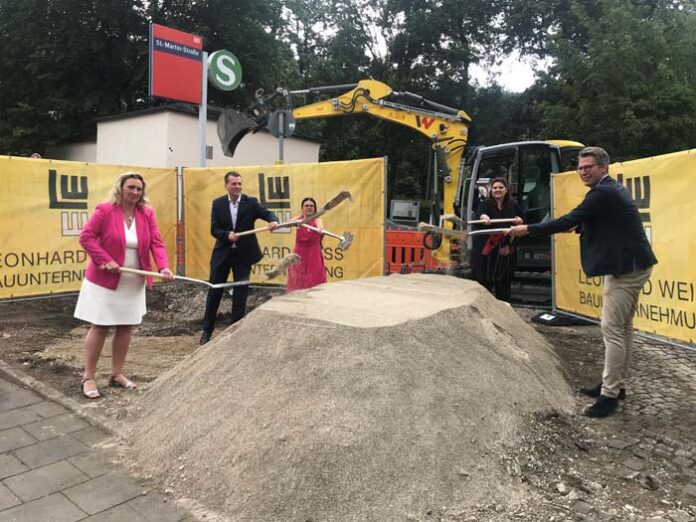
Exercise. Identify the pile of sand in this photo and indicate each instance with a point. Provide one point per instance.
(375, 399)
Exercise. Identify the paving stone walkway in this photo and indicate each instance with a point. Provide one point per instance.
(659, 415)
(53, 469)
(651, 440)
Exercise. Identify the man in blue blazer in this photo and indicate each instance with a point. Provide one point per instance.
(613, 244)
(231, 214)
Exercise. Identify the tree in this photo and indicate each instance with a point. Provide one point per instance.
(64, 63)
(421, 46)
(626, 80)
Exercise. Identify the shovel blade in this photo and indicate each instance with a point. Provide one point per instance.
(347, 241)
(336, 200)
(232, 126)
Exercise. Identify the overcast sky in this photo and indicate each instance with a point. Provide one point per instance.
(513, 74)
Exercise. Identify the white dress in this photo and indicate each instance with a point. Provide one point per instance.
(123, 306)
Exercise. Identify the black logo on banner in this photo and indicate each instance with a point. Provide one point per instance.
(639, 188)
(274, 194)
(69, 198)
(73, 198)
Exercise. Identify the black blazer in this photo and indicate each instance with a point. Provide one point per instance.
(612, 237)
(247, 248)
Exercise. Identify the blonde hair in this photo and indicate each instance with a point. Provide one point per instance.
(115, 196)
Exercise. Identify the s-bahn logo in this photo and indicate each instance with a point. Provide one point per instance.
(274, 194)
(69, 194)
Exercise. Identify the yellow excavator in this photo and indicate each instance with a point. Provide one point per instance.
(460, 179)
(445, 127)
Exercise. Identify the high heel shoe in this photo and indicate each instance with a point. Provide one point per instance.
(127, 383)
(90, 394)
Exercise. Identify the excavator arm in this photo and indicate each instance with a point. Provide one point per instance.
(446, 127)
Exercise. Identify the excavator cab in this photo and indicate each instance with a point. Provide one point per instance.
(528, 167)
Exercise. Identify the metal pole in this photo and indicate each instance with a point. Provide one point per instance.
(180, 229)
(385, 248)
(436, 190)
(553, 246)
(281, 134)
(203, 110)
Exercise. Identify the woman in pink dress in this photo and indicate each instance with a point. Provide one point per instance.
(310, 270)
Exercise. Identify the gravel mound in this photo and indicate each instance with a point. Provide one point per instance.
(387, 398)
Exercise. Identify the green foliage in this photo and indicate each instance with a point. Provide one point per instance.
(500, 116)
(62, 64)
(625, 79)
(421, 46)
(623, 73)
(66, 62)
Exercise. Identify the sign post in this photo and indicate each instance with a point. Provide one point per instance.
(179, 70)
(203, 111)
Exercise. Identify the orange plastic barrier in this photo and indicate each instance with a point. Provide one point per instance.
(406, 253)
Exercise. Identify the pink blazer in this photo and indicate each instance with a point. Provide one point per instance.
(104, 240)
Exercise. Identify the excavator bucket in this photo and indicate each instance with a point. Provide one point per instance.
(232, 126)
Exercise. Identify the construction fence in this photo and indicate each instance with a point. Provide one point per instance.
(661, 187)
(46, 203)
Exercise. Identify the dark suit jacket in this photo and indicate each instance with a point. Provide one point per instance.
(612, 239)
(249, 211)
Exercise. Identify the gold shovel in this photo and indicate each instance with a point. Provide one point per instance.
(182, 278)
(345, 240)
(329, 205)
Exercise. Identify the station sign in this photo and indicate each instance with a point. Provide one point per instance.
(176, 64)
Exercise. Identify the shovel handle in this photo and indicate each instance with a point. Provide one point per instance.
(287, 224)
(325, 232)
(490, 231)
(182, 278)
(250, 232)
(424, 227)
(141, 272)
(482, 221)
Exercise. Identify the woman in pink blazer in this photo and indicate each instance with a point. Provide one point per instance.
(121, 232)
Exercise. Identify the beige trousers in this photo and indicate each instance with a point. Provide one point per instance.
(619, 303)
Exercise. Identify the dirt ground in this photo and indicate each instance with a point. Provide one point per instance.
(636, 465)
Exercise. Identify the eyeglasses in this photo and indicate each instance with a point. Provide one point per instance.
(586, 168)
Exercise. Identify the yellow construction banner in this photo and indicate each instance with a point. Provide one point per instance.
(281, 189)
(44, 205)
(662, 188)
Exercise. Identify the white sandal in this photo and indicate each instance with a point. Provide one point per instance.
(90, 394)
(128, 384)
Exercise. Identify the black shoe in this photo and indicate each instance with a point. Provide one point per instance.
(597, 391)
(604, 407)
(205, 337)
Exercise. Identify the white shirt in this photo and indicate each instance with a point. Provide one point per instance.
(234, 209)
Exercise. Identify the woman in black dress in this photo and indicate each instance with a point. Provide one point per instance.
(493, 256)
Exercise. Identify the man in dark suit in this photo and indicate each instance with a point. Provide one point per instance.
(231, 214)
(613, 244)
